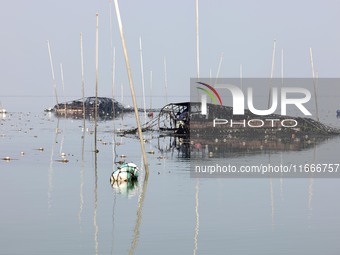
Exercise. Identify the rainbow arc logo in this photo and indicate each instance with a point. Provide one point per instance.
(211, 92)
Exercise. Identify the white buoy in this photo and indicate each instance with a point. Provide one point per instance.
(124, 173)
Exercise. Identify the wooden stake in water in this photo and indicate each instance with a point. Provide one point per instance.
(151, 90)
(82, 75)
(122, 92)
(82, 91)
(273, 60)
(52, 70)
(197, 43)
(282, 67)
(132, 88)
(241, 76)
(314, 82)
(165, 82)
(219, 67)
(197, 181)
(113, 80)
(271, 75)
(96, 101)
(142, 72)
(84, 129)
(63, 83)
(113, 75)
(113, 62)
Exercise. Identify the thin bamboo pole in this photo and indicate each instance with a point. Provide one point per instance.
(197, 43)
(142, 72)
(132, 88)
(197, 181)
(82, 75)
(52, 70)
(282, 66)
(122, 93)
(314, 82)
(96, 101)
(151, 90)
(241, 76)
(81, 194)
(63, 83)
(95, 224)
(113, 75)
(272, 75)
(165, 81)
(113, 62)
(219, 67)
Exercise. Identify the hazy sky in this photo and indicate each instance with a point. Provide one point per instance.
(243, 30)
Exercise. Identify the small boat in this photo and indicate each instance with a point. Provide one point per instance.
(106, 108)
(124, 173)
(182, 119)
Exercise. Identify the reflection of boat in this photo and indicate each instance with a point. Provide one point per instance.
(186, 117)
(195, 134)
(107, 108)
(233, 146)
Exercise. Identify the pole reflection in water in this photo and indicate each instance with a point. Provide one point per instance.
(311, 187)
(95, 148)
(113, 220)
(139, 216)
(272, 200)
(272, 203)
(95, 224)
(81, 193)
(281, 180)
(197, 217)
(50, 170)
(83, 132)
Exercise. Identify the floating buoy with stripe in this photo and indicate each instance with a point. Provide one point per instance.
(126, 172)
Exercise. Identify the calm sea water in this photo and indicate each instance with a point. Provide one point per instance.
(49, 207)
